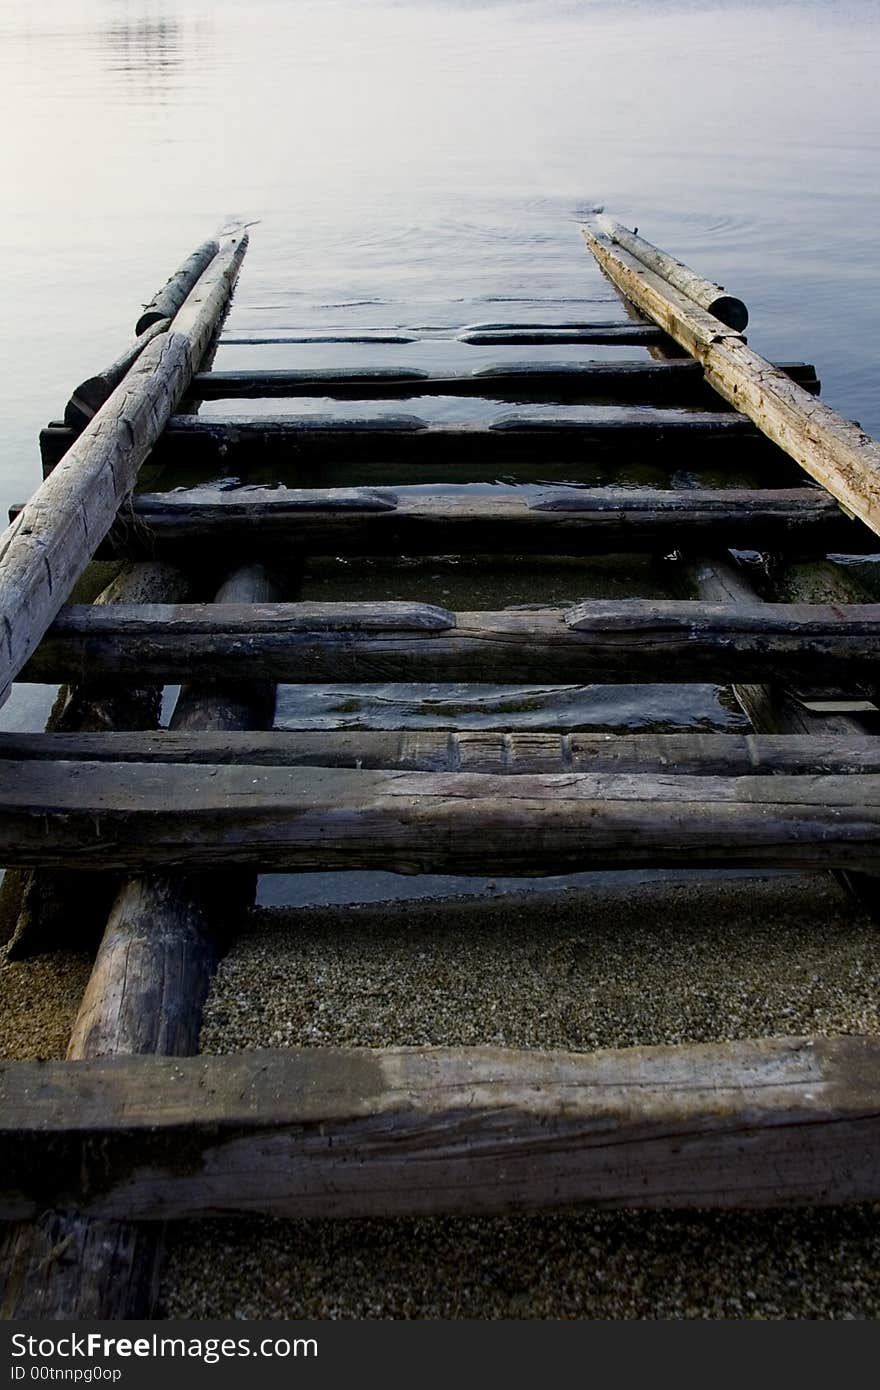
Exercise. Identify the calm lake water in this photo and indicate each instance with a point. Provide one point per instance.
(428, 163)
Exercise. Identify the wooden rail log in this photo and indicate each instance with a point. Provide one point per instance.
(634, 641)
(679, 383)
(321, 1132)
(697, 755)
(145, 995)
(167, 301)
(558, 521)
(183, 816)
(836, 452)
(710, 297)
(48, 546)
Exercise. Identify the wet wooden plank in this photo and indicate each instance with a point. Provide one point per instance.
(673, 382)
(633, 641)
(557, 521)
(318, 1132)
(45, 550)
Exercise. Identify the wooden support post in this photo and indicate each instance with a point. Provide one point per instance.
(44, 551)
(145, 995)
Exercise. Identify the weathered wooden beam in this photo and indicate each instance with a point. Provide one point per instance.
(535, 335)
(710, 297)
(182, 816)
(678, 383)
(170, 298)
(634, 641)
(834, 451)
(245, 443)
(558, 521)
(321, 1132)
(47, 547)
(695, 754)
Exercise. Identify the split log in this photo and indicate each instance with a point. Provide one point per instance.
(182, 816)
(695, 754)
(50, 543)
(634, 641)
(557, 521)
(167, 301)
(836, 452)
(710, 297)
(330, 1132)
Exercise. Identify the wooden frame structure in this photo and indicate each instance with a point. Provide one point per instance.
(135, 1129)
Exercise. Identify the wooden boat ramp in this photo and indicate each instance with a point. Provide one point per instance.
(165, 828)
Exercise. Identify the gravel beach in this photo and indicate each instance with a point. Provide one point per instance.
(667, 962)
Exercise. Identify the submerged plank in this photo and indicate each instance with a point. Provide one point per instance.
(634, 641)
(675, 382)
(320, 1132)
(180, 816)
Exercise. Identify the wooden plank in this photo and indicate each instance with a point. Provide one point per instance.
(175, 816)
(634, 641)
(169, 299)
(320, 1132)
(834, 451)
(558, 521)
(45, 550)
(489, 751)
(709, 296)
(649, 382)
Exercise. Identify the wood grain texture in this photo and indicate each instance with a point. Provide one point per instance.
(183, 816)
(604, 640)
(320, 1132)
(370, 521)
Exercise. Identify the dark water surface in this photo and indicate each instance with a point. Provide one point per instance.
(425, 166)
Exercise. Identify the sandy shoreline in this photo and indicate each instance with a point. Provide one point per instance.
(657, 963)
